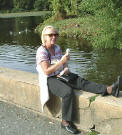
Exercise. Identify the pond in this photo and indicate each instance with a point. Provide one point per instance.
(18, 45)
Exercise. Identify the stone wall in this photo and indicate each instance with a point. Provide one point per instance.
(22, 89)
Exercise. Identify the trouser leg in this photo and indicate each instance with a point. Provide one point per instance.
(82, 84)
(67, 107)
(63, 90)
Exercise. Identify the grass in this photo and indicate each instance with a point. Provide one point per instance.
(92, 133)
(92, 99)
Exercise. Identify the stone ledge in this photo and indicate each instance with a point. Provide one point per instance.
(22, 88)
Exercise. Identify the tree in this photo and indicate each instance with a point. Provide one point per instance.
(41, 5)
(58, 7)
(23, 4)
(5, 4)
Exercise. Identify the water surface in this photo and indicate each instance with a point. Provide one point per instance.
(18, 45)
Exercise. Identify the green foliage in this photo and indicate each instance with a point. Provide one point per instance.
(118, 3)
(74, 7)
(92, 99)
(23, 4)
(92, 133)
(5, 4)
(41, 5)
(64, 7)
(108, 28)
(58, 7)
(92, 7)
(71, 7)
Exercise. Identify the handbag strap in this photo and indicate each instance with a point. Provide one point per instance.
(49, 55)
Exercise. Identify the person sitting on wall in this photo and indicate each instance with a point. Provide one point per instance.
(51, 65)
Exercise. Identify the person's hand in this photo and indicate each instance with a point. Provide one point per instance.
(66, 70)
(65, 58)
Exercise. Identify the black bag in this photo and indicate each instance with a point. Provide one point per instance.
(68, 78)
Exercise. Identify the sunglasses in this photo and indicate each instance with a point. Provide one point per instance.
(51, 35)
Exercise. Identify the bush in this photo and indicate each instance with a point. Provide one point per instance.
(41, 5)
(107, 15)
(5, 4)
(23, 4)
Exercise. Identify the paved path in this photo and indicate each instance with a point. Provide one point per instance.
(19, 121)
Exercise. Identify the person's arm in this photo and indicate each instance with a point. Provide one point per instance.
(48, 68)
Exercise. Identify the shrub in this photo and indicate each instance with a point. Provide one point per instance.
(5, 4)
(23, 4)
(41, 5)
(107, 15)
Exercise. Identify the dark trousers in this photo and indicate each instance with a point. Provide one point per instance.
(65, 91)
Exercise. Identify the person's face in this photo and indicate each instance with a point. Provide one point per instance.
(50, 37)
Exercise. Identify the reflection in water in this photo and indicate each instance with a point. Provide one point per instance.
(105, 66)
(18, 45)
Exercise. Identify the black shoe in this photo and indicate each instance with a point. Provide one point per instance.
(105, 93)
(116, 87)
(74, 126)
(70, 129)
